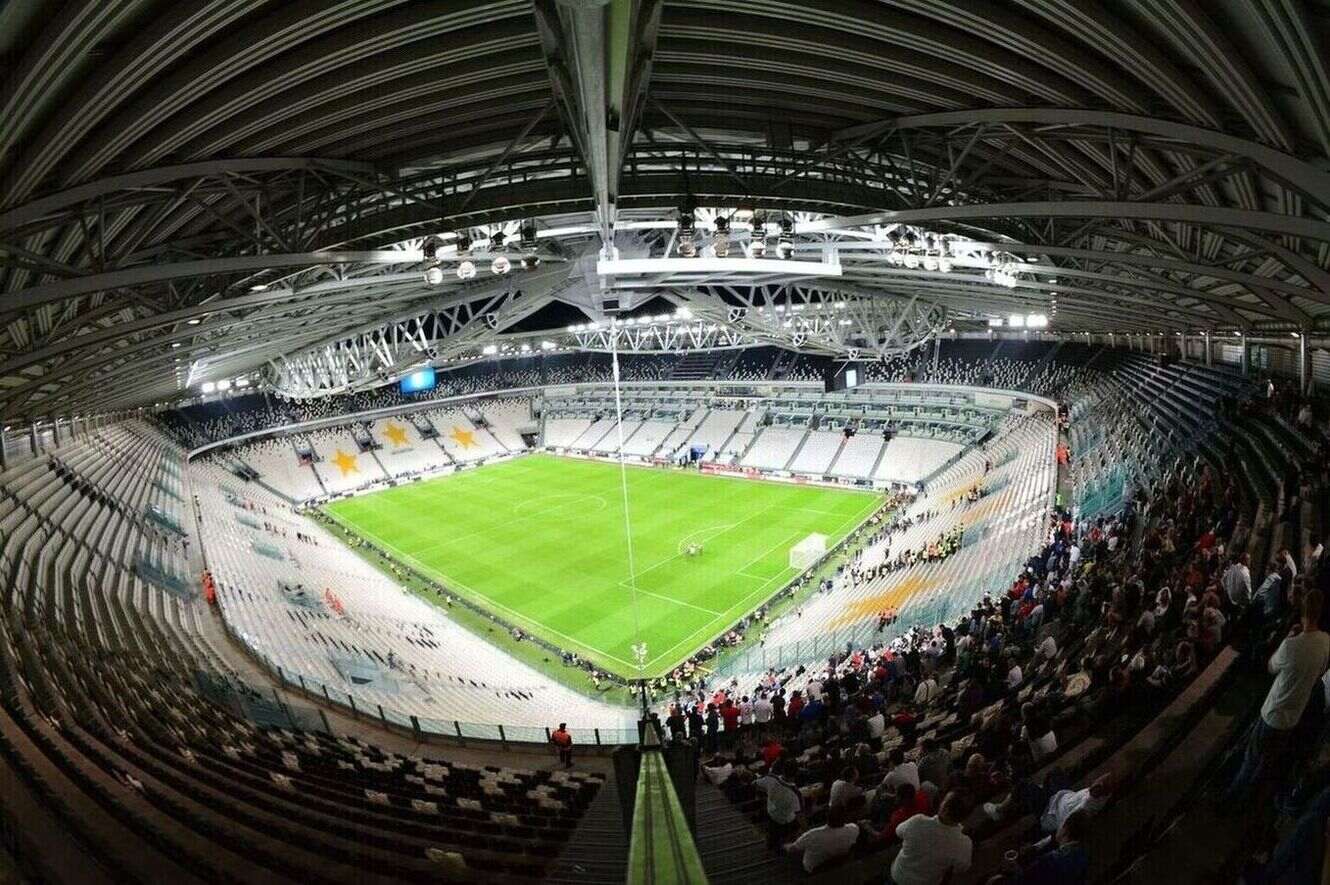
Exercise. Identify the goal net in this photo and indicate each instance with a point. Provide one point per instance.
(807, 551)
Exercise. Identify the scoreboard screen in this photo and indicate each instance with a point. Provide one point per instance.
(419, 381)
(844, 376)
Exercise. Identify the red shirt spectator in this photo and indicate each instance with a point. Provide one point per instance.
(909, 802)
(730, 714)
(771, 751)
(796, 704)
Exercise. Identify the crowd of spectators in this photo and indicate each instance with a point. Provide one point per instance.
(935, 737)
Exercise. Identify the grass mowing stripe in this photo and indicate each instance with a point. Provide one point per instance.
(540, 541)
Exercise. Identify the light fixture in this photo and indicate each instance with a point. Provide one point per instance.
(431, 247)
(547, 345)
(500, 266)
(466, 270)
(434, 275)
(194, 322)
(757, 244)
(527, 235)
(258, 287)
(530, 262)
(785, 241)
(489, 349)
(686, 245)
(209, 387)
(720, 241)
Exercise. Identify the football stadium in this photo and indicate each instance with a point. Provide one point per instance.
(664, 441)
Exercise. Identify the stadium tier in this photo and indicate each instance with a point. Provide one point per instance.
(661, 441)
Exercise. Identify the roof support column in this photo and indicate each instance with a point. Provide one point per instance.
(35, 439)
(599, 54)
(1246, 359)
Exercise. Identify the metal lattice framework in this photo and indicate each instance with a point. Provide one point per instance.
(240, 185)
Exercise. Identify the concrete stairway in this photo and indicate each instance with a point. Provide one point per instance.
(733, 850)
(597, 853)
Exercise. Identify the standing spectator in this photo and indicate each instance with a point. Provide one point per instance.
(563, 744)
(762, 712)
(1297, 666)
(932, 848)
(729, 714)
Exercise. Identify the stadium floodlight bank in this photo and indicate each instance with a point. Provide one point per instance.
(807, 552)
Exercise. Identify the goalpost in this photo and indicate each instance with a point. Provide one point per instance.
(808, 551)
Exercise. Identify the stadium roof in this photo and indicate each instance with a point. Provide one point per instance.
(195, 190)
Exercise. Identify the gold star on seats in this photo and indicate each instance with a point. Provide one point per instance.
(346, 463)
(464, 438)
(396, 433)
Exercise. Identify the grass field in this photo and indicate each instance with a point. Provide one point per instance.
(540, 541)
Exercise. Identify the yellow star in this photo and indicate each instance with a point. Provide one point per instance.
(396, 433)
(346, 463)
(464, 438)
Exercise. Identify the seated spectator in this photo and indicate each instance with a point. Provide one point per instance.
(1061, 860)
(901, 772)
(826, 843)
(932, 848)
(784, 801)
(934, 765)
(845, 788)
(1053, 801)
(909, 802)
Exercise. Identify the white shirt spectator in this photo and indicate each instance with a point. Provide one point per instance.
(1048, 649)
(926, 691)
(1043, 746)
(813, 691)
(783, 799)
(762, 711)
(877, 725)
(1014, 676)
(842, 791)
(1064, 803)
(746, 712)
(905, 773)
(929, 849)
(1297, 664)
(1237, 584)
(823, 844)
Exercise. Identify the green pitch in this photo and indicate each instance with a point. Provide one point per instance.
(541, 542)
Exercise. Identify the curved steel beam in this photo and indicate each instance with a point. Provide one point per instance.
(35, 296)
(1205, 216)
(36, 210)
(1304, 176)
